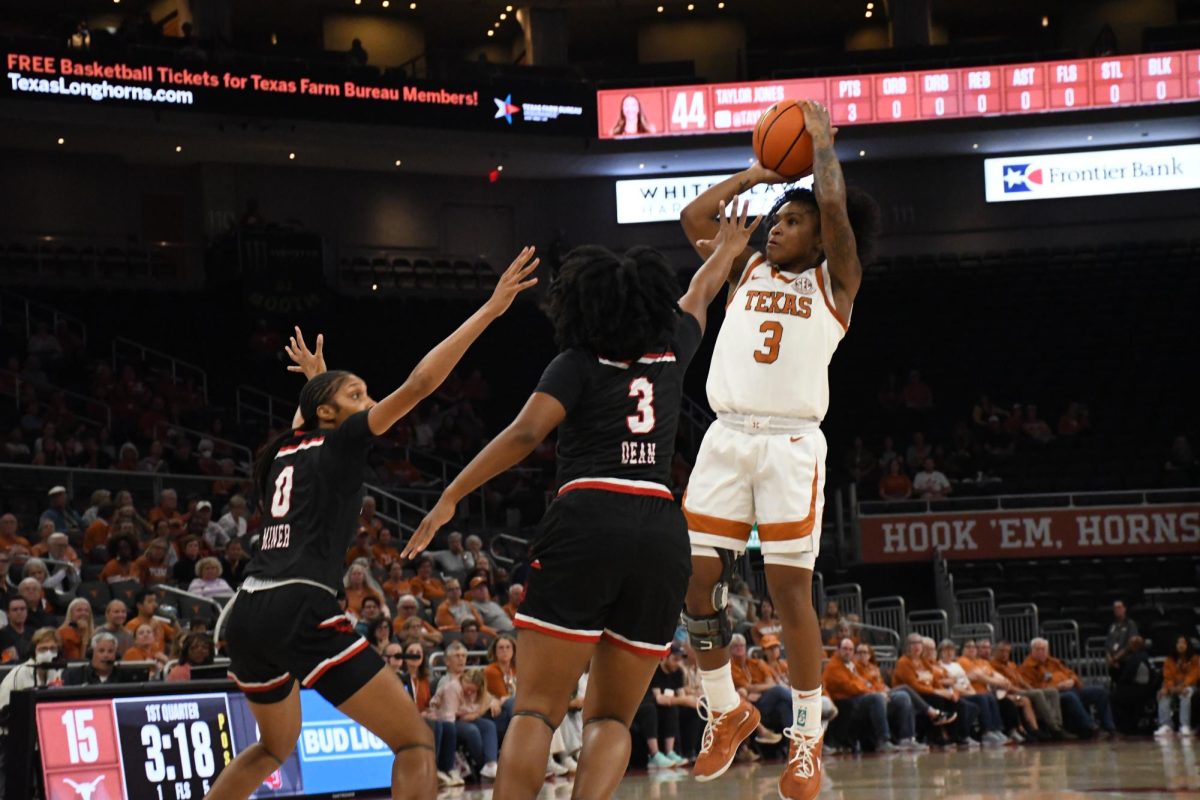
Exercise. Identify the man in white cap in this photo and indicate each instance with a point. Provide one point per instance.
(213, 534)
(60, 513)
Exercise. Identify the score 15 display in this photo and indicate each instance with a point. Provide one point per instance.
(173, 747)
(1084, 83)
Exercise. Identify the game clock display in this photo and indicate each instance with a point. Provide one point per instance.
(174, 746)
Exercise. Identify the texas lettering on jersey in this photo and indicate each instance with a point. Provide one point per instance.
(778, 303)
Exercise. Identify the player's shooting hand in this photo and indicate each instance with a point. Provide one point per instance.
(308, 362)
(760, 174)
(816, 122)
(438, 516)
(514, 281)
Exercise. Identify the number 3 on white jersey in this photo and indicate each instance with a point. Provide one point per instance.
(643, 390)
(281, 503)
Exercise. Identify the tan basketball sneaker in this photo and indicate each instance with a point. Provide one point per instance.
(801, 778)
(723, 734)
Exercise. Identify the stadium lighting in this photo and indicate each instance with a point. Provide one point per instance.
(178, 148)
(862, 153)
(1045, 22)
(61, 140)
(291, 156)
(491, 32)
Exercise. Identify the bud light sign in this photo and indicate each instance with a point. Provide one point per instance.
(1091, 174)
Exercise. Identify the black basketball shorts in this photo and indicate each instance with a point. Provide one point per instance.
(295, 632)
(612, 561)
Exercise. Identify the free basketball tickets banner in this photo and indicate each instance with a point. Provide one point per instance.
(909, 96)
(1032, 533)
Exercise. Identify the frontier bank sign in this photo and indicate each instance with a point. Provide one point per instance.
(1092, 174)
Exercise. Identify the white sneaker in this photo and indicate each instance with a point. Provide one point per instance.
(488, 771)
(913, 746)
(1165, 732)
(456, 778)
(444, 780)
(570, 764)
(1186, 730)
(554, 768)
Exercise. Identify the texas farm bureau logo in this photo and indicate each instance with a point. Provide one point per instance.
(1021, 177)
(505, 108)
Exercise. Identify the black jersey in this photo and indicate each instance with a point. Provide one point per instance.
(621, 416)
(315, 496)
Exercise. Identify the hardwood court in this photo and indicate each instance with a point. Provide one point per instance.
(1141, 769)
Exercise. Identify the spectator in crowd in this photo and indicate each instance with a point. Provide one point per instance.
(41, 612)
(396, 584)
(101, 667)
(1181, 462)
(43, 344)
(860, 708)
(369, 519)
(467, 709)
(119, 568)
(843, 630)
(406, 614)
(100, 528)
(190, 554)
(36, 671)
(426, 586)
(150, 569)
(455, 610)
(16, 638)
(989, 708)
(154, 461)
(412, 667)
(1043, 671)
(755, 681)
(384, 552)
(357, 56)
(58, 548)
(475, 558)
(369, 612)
(453, 562)
(917, 394)
(1120, 632)
(233, 522)
(516, 595)
(6, 586)
(997, 442)
(167, 508)
(144, 648)
(1035, 427)
(918, 451)
(904, 705)
(471, 634)
(236, 562)
(1073, 421)
(1181, 674)
(163, 629)
(671, 705)
(768, 623)
(100, 498)
(895, 485)
(1133, 688)
(379, 633)
(77, 630)
(8, 532)
(742, 604)
(501, 671)
(196, 650)
(829, 620)
(212, 534)
(116, 613)
(913, 670)
(889, 453)
(60, 513)
(1047, 706)
(127, 459)
(490, 612)
(209, 582)
(1020, 722)
(859, 461)
(930, 483)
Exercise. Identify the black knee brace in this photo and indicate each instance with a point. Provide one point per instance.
(710, 632)
(720, 592)
(537, 715)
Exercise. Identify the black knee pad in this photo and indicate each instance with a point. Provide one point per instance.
(710, 632)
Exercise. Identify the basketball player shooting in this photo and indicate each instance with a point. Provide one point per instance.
(763, 460)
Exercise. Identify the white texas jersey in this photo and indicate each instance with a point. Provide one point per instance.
(773, 350)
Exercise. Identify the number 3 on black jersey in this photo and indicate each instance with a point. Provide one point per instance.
(643, 390)
(281, 503)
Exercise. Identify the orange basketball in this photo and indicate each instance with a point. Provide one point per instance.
(781, 143)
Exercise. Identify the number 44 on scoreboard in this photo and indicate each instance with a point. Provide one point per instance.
(688, 110)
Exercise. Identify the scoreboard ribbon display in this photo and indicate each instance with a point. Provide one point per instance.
(173, 747)
(1084, 83)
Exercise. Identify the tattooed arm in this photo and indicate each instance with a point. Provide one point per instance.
(699, 217)
(837, 237)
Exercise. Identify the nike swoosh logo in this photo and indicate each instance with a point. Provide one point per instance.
(794, 439)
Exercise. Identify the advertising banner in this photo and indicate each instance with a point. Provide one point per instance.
(1032, 533)
(1091, 174)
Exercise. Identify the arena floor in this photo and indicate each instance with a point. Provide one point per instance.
(1141, 769)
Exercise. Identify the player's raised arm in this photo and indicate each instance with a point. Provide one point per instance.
(829, 185)
(727, 246)
(432, 370)
(542, 413)
(699, 220)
